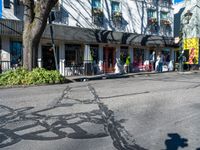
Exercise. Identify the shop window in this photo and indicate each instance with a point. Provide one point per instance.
(94, 50)
(16, 53)
(48, 58)
(186, 54)
(166, 55)
(138, 58)
(123, 54)
(73, 55)
(6, 3)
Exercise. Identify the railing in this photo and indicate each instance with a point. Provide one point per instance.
(152, 2)
(61, 17)
(117, 19)
(164, 3)
(74, 70)
(4, 66)
(98, 20)
(11, 27)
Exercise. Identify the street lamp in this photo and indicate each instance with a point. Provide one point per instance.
(187, 17)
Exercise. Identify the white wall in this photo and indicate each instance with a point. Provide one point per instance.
(78, 13)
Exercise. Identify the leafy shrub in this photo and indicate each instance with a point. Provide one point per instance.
(21, 76)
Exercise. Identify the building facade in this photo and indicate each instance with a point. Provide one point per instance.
(190, 27)
(186, 32)
(95, 36)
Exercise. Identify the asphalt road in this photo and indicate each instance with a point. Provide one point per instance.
(156, 112)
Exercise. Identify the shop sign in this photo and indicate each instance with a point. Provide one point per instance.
(192, 44)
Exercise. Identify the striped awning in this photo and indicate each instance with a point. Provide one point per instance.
(90, 36)
(11, 27)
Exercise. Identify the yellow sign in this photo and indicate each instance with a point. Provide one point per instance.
(192, 45)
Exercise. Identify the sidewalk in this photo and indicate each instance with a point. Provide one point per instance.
(109, 76)
(127, 75)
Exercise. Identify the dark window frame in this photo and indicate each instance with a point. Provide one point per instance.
(6, 4)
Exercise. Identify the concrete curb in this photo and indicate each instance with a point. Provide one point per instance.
(128, 75)
(112, 76)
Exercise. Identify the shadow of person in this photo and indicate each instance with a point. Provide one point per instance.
(175, 142)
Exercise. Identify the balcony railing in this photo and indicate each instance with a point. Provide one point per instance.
(164, 3)
(152, 21)
(61, 17)
(97, 16)
(97, 11)
(166, 30)
(98, 20)
(152, 2)
(117, 19)
(165, 21)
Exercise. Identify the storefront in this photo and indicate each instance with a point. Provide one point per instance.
(86, 51)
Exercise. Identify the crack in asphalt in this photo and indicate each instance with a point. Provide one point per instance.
(122, 140)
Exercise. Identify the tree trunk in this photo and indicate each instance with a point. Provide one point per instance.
(36, 13)
(30, 48)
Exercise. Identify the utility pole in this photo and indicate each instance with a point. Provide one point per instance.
(52, 18)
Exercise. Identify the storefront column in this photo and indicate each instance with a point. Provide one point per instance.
(172, 57)
(118, 52)
(100, 55)
(39, 61)
(146, 54)
(100, 52)
(5, 53)
(62, 58)
(87, 60)
(131, 54)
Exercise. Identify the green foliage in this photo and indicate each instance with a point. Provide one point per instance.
(128, 60)
(21, 76)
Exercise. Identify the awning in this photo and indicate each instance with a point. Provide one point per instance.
(105, 36)
(90, 36)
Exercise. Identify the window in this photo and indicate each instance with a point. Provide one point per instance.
(97, 12)
(151, 13)
(138, 58)
(115, 6)
(163, 15)
(96, 3)
(16, 53)
(116, 14)
(164, 3)
(6, 3)
(73, 54)
(123, 54)
(94, 49)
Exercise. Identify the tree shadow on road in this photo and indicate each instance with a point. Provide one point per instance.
(44, 125)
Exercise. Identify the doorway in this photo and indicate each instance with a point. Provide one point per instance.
(48, 59)
(108, 59)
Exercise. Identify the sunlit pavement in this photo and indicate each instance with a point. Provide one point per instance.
(160, 111)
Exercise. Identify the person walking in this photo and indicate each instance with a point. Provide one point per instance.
(160, 62)
(152, 61)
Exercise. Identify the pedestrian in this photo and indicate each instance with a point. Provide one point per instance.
(152, 61)
(160, 62)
